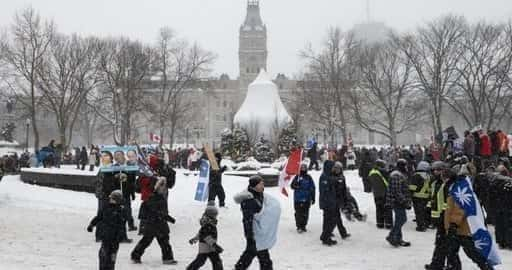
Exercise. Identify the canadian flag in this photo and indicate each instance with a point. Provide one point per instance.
(154, 138)
(291, 168)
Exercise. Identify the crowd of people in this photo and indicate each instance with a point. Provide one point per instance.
(400, 178)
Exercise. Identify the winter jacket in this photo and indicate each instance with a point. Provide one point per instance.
(207, 235)
(342, 194)
(108, 184)
(469, 146)
(398, 196)
(84, 157)
(366, 165)
(312, 153)
(128, 187)
(485, 145)
(379, 181)
(304, 188)
(503, 142)
(327, 187)
(455, 214)
(147, 185)
(251, 203)
(113, 218)
(155, 216)
(92, 158)
(216, 176)
(419, 185)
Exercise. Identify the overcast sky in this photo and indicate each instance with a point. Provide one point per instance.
(214, 24)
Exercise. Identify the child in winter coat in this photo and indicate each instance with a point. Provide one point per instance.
(207, 238)
(303, 196)
(154, 225)
(113, 219)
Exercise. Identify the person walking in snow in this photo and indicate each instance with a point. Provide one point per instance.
(398, 199)
(215, 188)
(207, 238)
(112, 217)
(420, 188)
(378, 178)
(155, 217)
(84, 158)
(303, 197)
(261, 215)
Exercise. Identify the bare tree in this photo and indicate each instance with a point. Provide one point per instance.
(332, 69)
(181, 67)
(384, 101)
(123, 66)
(483, 95)
(68, 74)
(434, 51)
(29, 41)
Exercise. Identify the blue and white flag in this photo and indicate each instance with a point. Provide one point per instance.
(462, 193)
(202, 183)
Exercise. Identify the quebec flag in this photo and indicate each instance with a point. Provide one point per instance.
(202, 184)
(462, 193)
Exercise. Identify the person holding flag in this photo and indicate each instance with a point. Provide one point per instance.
(465, 225)
(303, 197)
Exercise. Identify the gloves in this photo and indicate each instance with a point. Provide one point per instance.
(218, 248)
(452, 230)
(89, 228)
(192, 240)
(171, 219)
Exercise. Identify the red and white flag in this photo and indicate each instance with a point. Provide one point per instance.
(154, 138)
(291, 168)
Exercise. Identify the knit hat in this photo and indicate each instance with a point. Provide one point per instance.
(338, 165)
(254, 180)
(211, 210)
(116, 196)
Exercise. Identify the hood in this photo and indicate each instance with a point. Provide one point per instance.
(423, 166)
(328, 164)
(242, 196)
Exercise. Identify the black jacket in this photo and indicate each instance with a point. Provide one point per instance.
(216, 176)
(251, 202)
(84, 157)
(113, 218)
(327, 187)
(155, 216)
(378, 185)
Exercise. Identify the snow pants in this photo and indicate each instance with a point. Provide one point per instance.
(384, 215)
(421, 212)
(163, 241)
(467, 244)
(301, 214)
(107, 255)
(201, 258)
(128, 208)
(314, 162)
(246, 259)
(217, 191)
(367, 185)
(331, 220)
(441, 256)
(503, 229)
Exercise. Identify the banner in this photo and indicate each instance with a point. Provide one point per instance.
(118, 158)
(202, 184)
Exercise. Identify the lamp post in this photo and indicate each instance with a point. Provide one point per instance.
(27, 123)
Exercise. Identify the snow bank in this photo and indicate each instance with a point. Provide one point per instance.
(64, 169)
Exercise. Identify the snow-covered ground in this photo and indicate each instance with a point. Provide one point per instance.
(44, 228)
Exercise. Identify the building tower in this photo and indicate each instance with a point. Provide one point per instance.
(252, 52)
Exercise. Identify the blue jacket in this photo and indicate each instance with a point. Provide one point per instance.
(327, 187)
(304, 188)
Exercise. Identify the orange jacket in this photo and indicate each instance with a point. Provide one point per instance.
(455, 214)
